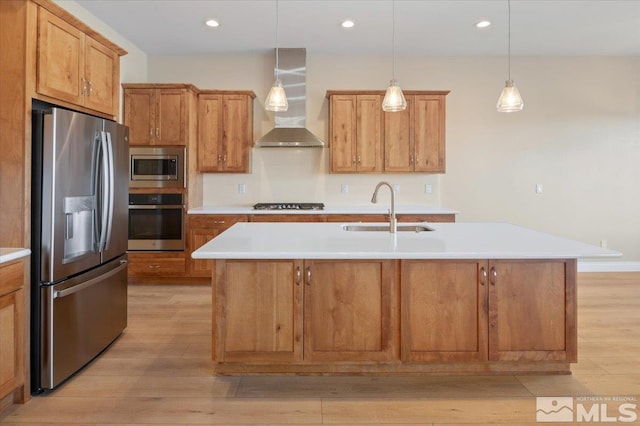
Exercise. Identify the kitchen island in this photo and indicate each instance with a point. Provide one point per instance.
(318, 298)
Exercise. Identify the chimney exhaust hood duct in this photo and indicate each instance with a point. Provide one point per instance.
(290, 131)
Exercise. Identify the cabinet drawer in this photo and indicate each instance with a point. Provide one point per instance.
(217, 221)
(426, 218)
(12, 277)
(157, 266)
(357, 218)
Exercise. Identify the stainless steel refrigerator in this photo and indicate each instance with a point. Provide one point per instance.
(79, 241)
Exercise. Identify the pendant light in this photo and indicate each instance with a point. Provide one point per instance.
(510, 99)
(276, 98)
(393, 98)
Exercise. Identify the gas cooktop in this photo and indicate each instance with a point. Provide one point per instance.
(288, 206)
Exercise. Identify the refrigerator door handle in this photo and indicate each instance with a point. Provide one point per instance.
(104, 207)
(111, 190)
(71, 290)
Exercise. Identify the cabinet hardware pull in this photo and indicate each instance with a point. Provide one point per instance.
(90, 87)
(298, 275)
(411, 159)
(353, 160)
(83, 86)
(308, 275)
(483, 276)
(224, 158)
(359, 159)
(158, 132)
(494, 276)
(219, 158)
(219, 222)
(151, 131)
(154, 266)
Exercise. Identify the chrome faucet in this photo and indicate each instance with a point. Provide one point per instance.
(392, 211)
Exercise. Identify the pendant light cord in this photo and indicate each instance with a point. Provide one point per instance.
(509, 38)
(275, 71)
(393, 39)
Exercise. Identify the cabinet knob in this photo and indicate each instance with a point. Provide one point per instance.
(308, 275)
(493, 275)
(298, 275)
(483, 276)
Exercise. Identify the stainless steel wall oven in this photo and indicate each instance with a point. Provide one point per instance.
(156, 222)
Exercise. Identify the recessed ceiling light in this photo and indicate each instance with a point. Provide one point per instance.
(212, 23)
(482, 24)
(347, 23)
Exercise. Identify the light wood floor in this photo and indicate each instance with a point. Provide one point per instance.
(159, 372)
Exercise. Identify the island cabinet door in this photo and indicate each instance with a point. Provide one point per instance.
(257, 311)
(350, 311)
(532, 310)
(444, 310)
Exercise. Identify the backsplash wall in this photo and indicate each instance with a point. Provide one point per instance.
(579, 137)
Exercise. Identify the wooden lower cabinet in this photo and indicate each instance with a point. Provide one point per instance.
(202, 229)
(498, 310)
(257, 311)
(12, 334)
(532, 310)
(444, 311)
(287, 218)
(349, 310)
(394, 316)
(346, 308)
(153, 264)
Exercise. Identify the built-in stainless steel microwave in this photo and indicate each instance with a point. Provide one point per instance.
(156, 167)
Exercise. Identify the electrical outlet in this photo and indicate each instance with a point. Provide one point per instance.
(344, 188)
(428, 188)
(396, 188)
(538, 188)
(242, 188)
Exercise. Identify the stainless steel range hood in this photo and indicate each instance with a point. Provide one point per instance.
(290, 131)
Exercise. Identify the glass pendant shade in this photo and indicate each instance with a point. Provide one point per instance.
(394, 98)
(276, 99)
(510, 99)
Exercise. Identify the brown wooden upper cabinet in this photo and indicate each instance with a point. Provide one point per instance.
(76, 68)
(157, 114)
(225, 131)
(363, 138)
(356, 133)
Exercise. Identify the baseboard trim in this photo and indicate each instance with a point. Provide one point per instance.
(587, 266)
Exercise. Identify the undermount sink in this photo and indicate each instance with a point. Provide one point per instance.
(385, 228)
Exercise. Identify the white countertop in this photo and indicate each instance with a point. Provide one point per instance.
(446, 241)
(382, 208)
(9, 254)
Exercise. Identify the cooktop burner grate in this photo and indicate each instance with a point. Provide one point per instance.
(288, 206)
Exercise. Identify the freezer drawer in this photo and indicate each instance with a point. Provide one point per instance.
(80, 318)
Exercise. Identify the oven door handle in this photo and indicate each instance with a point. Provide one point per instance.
(155, 206)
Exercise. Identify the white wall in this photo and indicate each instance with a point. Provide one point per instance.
(578, 136)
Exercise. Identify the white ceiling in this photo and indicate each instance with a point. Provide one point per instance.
(422, 27)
